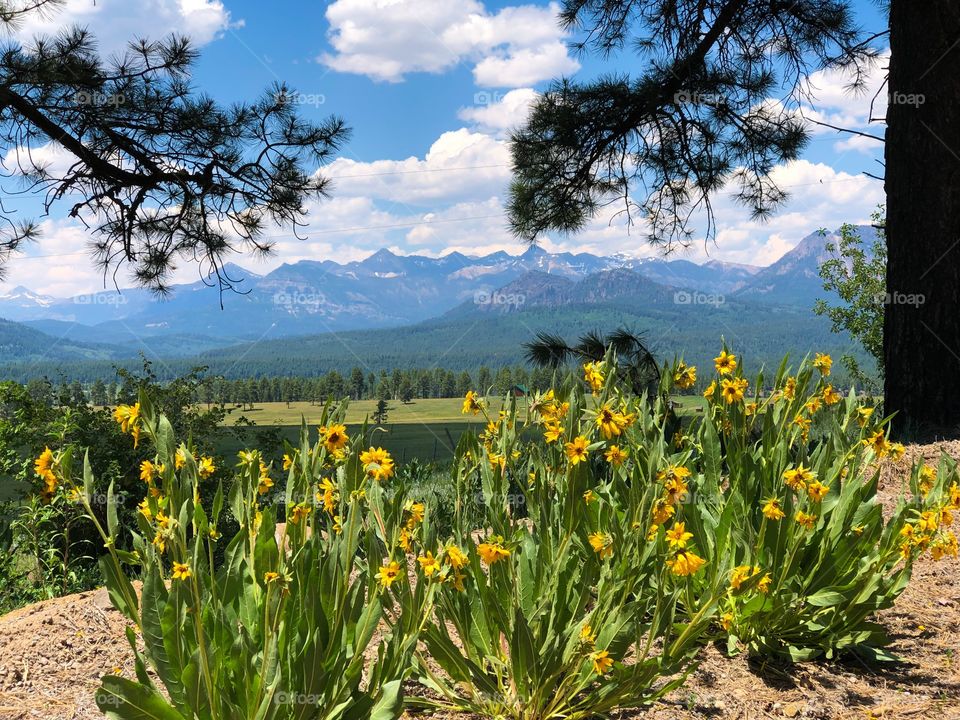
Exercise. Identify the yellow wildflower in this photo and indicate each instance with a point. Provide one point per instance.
(823, 363)
(608, 422)
(576, 451)
(817, 491)
(602, 544)
(299, 513)
(615, 456)
(456, 557)
(685, 563)
(417, 511)
(429, 564)
(928, 478)
(662, 511)
(587, 635)
(797, 478)
(878, 442)
(334, 437)
(552, 432)
(772, 509)
(732, 389)
(389, 573)
(725, 363)
(830, 396)
(378, 463)
(805, 519)
(492, 551)
(685, 376)
(471, 403)
(593, 374)
(602, 662)
(181, 571)
(206, 468)
(327, 495)
(678, 536)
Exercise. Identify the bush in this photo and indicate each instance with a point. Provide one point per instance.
(794, 526)
(281, 628)
(581, 553)
(560, 608)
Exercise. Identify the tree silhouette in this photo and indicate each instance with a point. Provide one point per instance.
(636, 366)
(380, 414)
(160, 173)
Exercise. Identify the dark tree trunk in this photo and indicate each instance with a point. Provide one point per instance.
(922, 323)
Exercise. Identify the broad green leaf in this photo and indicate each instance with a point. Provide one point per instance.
(122, 699)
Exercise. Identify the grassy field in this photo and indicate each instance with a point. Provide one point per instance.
(444, 410)
(431, 411)
(423, 429)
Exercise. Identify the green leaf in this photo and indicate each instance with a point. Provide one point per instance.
(153, 600)
(119, 589)
(825, 598)
(112, 522)
(87, 477)
(389, 705)
(122, 699)
(524, 655)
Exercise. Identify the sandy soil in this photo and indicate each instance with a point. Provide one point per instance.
(52, 655)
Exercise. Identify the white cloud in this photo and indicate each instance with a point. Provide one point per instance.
(116, 22)
(859, 143)
(525, 67)
(50, 156)
(387, 39)
(834, 102)
(820, 196)
(498, 113)
(447, 211)
(461, 164)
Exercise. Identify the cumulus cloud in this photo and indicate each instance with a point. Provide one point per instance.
(431, 212)
(461, 164)
(116, 22)
(834, 102)
(387, 39)
(499, 113)
(820, 196)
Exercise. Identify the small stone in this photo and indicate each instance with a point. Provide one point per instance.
(793, 709)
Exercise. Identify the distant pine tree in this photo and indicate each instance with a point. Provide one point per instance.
(380, 414)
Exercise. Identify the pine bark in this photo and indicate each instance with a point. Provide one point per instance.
(922, 315)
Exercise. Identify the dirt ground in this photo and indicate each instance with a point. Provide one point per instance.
(52, 655)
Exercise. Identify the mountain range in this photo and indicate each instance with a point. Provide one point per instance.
(386, 291)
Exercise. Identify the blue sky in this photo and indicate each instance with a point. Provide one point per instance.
(430, 88)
